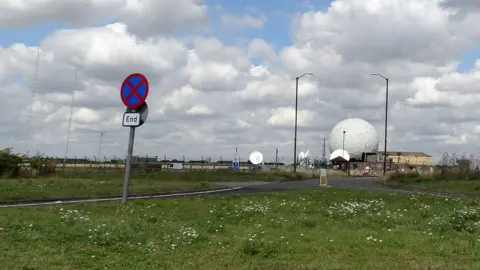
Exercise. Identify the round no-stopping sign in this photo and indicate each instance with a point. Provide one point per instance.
(134, 90)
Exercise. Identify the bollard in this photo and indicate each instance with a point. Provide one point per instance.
(323, 177)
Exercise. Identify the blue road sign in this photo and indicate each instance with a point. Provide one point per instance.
(235, 165)
(134, 90)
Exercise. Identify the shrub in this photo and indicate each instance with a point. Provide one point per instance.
(444, 175)
(35, 163)
(474, 176)
(9, 163)
(402, 176)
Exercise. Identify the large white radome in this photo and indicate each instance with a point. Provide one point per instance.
(360, 136)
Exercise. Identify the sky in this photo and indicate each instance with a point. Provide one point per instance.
(222, 75)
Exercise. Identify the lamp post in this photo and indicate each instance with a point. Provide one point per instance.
(365, 158)
(343, 147)
(296, 110)
(386, 119)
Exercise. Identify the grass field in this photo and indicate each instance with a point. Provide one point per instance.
(316, 229)
(88, 184)
(467, 187)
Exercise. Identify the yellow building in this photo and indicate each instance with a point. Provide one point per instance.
(411, 158)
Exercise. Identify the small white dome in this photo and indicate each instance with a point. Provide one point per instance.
(339, 153)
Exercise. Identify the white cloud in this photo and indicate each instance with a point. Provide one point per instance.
(285, 116)
(207, 98)
(243, 21)
(200, 110)
(261, 49)
(143, 17)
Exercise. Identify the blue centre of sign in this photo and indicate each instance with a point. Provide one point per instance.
(140, 90)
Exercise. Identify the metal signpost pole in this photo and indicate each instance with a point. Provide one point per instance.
(128, 164)
(134, 92)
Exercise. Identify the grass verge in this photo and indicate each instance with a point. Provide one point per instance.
(315, 229)
(82, 184)
(14, 190)
(464, 187)
(431, 183)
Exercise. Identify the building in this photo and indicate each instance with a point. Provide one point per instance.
(410, 158)
(396, 160)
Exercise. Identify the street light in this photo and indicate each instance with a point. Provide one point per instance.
(386, 118)
(343, 145)
(296, 109)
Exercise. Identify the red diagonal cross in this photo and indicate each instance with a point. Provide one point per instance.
(134, 89)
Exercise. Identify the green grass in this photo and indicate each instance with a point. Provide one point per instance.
(448, 183)
(82, 184)
(315, 229)
(12, 190)
(466, 187)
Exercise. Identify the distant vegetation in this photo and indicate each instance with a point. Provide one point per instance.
(437, 176)
(453, 174)
(448, 169)
(9, 163)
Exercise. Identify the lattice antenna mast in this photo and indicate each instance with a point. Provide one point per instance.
(30, 108)
(100, 139)
(71, 113)
(100, 143)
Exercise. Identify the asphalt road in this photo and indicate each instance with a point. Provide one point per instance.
(345, 183)
(240, 187)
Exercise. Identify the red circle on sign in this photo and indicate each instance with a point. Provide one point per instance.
(134, 90)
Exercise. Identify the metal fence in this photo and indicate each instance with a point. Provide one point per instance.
(143, 159)
(53, 165)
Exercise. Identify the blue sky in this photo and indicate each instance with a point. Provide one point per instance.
(279, 15)
(468, 60)
(276, 31)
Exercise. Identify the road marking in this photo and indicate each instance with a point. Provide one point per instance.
(119, 198)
